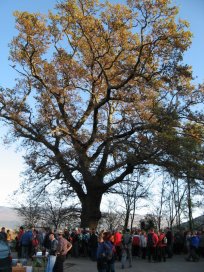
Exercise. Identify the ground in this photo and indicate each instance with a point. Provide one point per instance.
(175, 264)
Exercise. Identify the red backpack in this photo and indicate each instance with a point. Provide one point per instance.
(136, 241)
(35, 242)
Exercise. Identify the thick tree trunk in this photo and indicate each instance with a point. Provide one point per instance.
(127, 217)
(91, 213)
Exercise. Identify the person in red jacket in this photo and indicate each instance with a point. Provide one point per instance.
(117, 244)
(161, 246)
(152, 240)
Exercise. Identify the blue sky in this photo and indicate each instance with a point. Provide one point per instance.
(193, 12)
(11, 163)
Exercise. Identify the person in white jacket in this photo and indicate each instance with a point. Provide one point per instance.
(143, 244)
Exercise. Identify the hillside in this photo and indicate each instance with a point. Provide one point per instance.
(9, 218)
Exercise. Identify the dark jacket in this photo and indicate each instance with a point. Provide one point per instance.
(26, 238)
(53, 247)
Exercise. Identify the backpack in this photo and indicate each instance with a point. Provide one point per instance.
(35, 242)
(108, 252)
(150, 241)
(164, 240)
(85, 238)
(136, 241)
(126, 239)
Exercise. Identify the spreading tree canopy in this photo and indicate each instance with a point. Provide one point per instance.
(101, 90)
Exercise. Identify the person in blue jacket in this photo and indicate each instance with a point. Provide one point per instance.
(101, 255)
(105, 253)
(25, 242)
(194, 245)
(110, 251)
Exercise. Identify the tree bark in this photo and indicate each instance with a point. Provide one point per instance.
(127, 216)
(189, 205)
(91, 214)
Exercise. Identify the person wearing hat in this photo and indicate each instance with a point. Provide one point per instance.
(62, 249)
(52, 252)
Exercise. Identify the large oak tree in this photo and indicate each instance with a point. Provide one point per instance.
(101, 90)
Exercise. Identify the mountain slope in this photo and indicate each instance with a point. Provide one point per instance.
(9, 218)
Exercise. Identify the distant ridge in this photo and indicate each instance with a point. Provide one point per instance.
(9, 218)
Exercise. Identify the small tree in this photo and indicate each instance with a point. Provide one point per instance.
(134, 189)
(30, 211)
(56, 212)
(149, 221)
(112, 218)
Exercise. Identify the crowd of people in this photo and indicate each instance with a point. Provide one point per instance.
(154, 246)
(105, 247)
